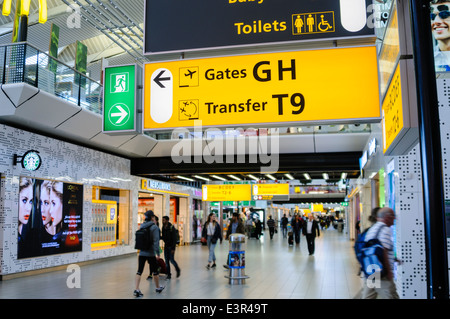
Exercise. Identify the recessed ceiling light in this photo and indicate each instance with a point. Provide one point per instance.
(289, 176)
(218, 177)
(201, 177)
(271, 177)
(307, 176)
(185, 178)
(253, 177)
(235, 177)
(325, 176)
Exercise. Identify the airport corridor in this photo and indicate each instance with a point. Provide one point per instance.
(275, 270)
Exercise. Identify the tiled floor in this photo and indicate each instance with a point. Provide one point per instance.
(275, 270)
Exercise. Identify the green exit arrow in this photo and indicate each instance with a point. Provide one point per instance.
(119, 99)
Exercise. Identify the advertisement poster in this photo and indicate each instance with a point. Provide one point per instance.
(50, 217)
(440, 19)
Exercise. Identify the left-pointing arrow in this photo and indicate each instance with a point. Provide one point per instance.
(122, 114)
(159, 78)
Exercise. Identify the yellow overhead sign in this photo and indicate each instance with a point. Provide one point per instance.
(392, 111)
(326, 85)
(271, 189)
(228, 192)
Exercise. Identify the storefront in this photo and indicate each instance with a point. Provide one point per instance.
(180, 203)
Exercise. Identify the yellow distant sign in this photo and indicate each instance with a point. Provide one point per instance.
(290, 87)
(270, 189)
(228, 192)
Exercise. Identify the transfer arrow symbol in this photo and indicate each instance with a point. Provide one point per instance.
(159, 78)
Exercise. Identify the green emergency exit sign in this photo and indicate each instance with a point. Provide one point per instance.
(119, 99)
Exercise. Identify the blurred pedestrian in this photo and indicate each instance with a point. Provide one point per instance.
(149, 255)
(212, 232)
(310, 229)
(169, 237)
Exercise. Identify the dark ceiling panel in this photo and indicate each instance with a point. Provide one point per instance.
(296, 164)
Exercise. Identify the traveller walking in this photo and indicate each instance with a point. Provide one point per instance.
(212, 232)
(284, 222)
(310, 228)
(372, 220)
(149, 255)
(236, 226)
(258, 228)
(169, 237)
(249, 226)
(297, 224)
(385, 288)
(271, 225)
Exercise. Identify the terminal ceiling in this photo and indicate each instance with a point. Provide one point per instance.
(113, 30)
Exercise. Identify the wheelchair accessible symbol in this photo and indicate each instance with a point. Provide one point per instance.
(314, 22)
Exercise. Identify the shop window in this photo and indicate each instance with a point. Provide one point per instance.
(111, 218)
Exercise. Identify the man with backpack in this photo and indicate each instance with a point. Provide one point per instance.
(384, 286)
(147, 241)
(170, 239)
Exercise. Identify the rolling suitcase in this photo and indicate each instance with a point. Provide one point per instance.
(161, 266)
(290, 239)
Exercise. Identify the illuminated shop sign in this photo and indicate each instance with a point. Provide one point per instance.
(31, 160)
(148, 184)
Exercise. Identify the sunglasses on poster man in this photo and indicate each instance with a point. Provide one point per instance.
(443, 13)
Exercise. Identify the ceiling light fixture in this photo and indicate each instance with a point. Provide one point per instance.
(289, 176)
(235, 177)
(185, 178)
(271, 177)
(218, 177)
(325, 176)
(343, 175)
(201, 177)
(307, 176)
(253, 177)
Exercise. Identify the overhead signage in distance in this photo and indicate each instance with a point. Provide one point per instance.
(184, 26)
(315, 86)
(274, 191)
(120, 99)
(271, 189)
(226, 192)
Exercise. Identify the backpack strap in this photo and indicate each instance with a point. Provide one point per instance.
(378, 233)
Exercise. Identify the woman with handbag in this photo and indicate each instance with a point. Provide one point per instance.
(212, 232)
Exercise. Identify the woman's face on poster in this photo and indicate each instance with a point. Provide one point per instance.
(55, 208)
(25, 204)
(45, 205)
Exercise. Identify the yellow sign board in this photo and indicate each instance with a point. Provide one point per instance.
(270, 189)
(392, 111)
(228, 192)
(326, 85)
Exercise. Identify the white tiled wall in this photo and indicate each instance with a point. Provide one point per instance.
(65, 162)
(443, 88)
(410, 238)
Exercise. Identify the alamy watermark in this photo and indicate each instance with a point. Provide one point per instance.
(74, 19)
(227, 147)
(74, 279)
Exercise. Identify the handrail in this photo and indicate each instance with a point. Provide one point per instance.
(23, 62)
